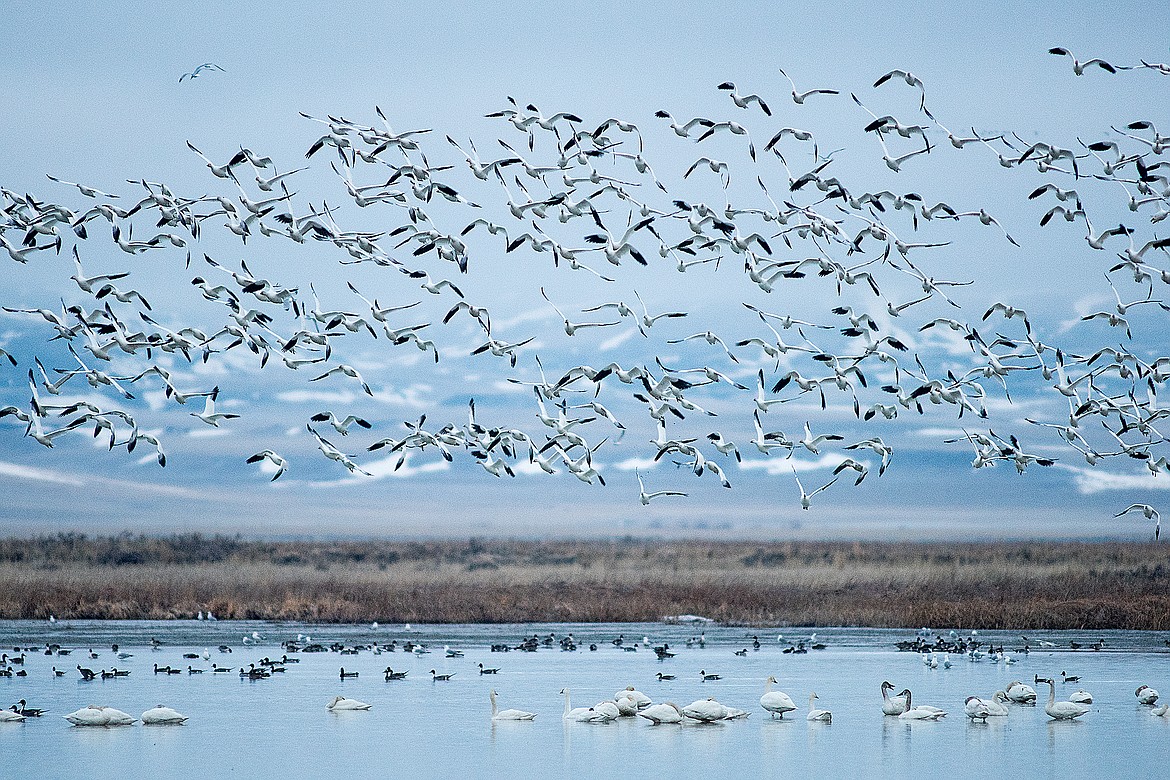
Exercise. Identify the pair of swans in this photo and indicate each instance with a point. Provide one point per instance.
(892, 705)
(498, 714)
(95, 715)
(597, 714)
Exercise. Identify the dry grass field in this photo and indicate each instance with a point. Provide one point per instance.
(1024, 585)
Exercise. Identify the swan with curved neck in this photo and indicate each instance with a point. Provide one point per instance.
(892, 705)
(921, 712)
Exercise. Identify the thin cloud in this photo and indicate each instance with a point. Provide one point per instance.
(18, 471)
(1091, 481)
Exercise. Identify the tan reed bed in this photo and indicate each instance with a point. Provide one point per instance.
(999, 585)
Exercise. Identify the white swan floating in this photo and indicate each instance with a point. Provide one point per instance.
(817, 715)
(1021, 693)
(658, 714)
(162, 716)
(776, 702)
(1146, 695)
(921, 712)
(1062, 710)
(498, 714)
(95, 715)
(641, 700)
(8, 716)
(705, 711)
(582, 714)
(342, 704)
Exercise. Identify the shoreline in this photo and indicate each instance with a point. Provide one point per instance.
(1001, 585)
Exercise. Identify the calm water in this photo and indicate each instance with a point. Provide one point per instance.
(421, 728)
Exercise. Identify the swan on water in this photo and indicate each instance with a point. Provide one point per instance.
(892, 705)
(776, 702)
(705, 710)
(8, 716)
(663, 713)
(627, 707)
(997, 705)
(1160, 711)
(823, 716)
(1081, 697)
(581, 714)
(640, 699)
(162, 716)
(608, 709)
(922, 712)
(976, 709)
(95, 715)
(340, 704)
(1021, 693)
(1146, 695)
(498, 714)
(1062, 710)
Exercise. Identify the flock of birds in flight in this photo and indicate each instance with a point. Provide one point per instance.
(583, 195)
(626, 703)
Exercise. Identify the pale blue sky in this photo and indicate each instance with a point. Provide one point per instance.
(92, 96)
